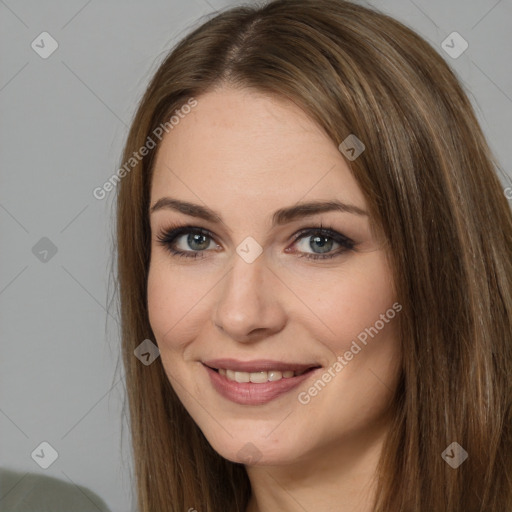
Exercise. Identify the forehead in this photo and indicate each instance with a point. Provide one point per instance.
(241, 146)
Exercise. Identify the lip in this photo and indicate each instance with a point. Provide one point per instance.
(249, 393)
(257, 365)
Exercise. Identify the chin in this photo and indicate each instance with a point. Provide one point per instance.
(255, 446)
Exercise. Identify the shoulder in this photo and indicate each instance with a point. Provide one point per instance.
(31, 492)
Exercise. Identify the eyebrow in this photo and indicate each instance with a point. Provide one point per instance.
(281, 216)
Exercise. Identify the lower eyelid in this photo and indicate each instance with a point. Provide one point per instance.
(169, 241)
(303, 239)
(174, 242)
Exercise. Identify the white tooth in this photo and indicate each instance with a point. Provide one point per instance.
(242, 377)
(258, 377)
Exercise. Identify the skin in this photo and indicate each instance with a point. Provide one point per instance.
(244, 155)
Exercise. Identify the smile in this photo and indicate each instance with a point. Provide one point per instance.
(256, 382)
(259, 377)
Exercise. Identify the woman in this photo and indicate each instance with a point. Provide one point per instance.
(313, 234)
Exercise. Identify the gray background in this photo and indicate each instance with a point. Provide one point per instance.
(63, 123)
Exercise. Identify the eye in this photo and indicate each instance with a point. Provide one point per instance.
(322, 239)
(193, 241)
(198, 239)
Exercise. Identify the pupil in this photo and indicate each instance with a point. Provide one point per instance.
(194, 238)
(321, 240)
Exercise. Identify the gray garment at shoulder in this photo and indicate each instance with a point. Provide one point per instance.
(32, 492)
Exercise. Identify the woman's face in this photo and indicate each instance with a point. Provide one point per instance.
(246, 304)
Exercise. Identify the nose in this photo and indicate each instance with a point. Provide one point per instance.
(248, 306)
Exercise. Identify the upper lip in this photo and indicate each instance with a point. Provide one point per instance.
(257, 365)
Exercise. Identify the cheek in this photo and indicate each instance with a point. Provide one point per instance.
(340, 302)
(346, 300)
(160, 296)
(355, 389)
(170, 298)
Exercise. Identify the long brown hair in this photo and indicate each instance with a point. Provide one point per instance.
(430, 182)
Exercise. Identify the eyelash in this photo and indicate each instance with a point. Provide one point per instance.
(167, 238)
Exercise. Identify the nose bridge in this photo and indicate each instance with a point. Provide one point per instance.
(247, 300)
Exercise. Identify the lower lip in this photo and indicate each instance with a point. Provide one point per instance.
(249, 393)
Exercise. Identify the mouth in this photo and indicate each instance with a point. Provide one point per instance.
(261, 376)
(256, 382)
(258, 371)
